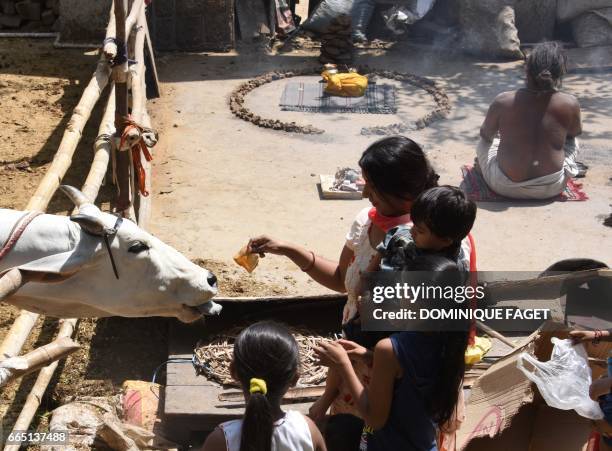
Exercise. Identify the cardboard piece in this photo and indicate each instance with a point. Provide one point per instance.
(506, 412)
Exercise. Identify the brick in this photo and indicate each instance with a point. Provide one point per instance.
(48, 17)
(164, 8)
(8, 7)
(28, 10)
(10, 21)
(190, 8)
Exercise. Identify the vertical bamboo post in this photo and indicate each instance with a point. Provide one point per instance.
(120, 77)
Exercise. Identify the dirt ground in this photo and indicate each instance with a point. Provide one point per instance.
(38, 92)
(219, 180)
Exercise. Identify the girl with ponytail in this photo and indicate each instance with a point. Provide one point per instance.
(266, 362)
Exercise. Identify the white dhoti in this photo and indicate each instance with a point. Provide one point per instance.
(543, 187)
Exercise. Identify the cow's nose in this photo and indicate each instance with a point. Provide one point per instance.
(211, 279)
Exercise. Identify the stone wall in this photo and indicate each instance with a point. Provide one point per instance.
(29, 15)
(195, 25)
(84, 20)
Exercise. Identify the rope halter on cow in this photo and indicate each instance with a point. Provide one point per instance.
(18, 229)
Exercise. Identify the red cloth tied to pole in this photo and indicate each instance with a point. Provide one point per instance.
(136, 149)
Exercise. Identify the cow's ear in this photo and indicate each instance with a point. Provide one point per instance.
(90, 224)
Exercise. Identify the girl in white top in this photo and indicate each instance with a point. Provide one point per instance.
(266, 361)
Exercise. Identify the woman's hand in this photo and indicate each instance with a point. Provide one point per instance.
(264, 244)
(332, 354)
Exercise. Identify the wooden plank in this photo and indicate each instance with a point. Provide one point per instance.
(306, 394)
(540, 287)
(281, 299)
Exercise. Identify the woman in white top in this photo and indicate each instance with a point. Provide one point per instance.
(266, 362)
(396, 171)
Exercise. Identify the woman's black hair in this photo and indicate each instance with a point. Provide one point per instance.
(441, 271)
(546, 66)
(265, 350)
(398, 166)
(446, 211)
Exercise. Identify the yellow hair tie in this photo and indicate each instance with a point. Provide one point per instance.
(258, 386)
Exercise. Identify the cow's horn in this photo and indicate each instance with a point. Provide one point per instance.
(76, 196)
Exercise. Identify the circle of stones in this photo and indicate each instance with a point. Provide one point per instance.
(238, 108)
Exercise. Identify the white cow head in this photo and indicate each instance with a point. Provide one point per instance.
(71, 275)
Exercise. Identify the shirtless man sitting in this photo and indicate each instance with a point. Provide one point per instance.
(535, 153)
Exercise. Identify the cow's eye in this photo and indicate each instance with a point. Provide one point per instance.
(138, 246)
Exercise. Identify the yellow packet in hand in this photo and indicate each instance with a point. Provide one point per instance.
(247, 260)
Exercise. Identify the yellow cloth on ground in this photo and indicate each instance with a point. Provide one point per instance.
(349, 84)
(475, 353)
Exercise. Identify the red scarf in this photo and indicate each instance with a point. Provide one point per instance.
(385, 223)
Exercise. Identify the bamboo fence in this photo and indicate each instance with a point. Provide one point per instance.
(104, 147)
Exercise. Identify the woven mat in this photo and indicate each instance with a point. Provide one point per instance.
(310, 97)
(476, 188)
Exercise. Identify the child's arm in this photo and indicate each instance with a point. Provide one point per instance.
(318, 443)
(580, 336)
(215, 441)
(373, 403)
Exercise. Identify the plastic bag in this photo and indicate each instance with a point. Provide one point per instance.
(565, 379)
(320, 20)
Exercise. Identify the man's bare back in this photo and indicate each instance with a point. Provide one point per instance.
(533, 127)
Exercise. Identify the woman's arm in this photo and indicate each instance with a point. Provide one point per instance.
(327, 273)
(374, 402)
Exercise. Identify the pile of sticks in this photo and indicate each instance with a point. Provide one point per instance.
(215, 355)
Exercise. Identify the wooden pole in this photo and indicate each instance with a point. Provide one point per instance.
(120, 77)
(90, 189)
(110, 47)
(36, 359)
(139, 112)
(18, 334)
(40, 386)
(493, 333)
